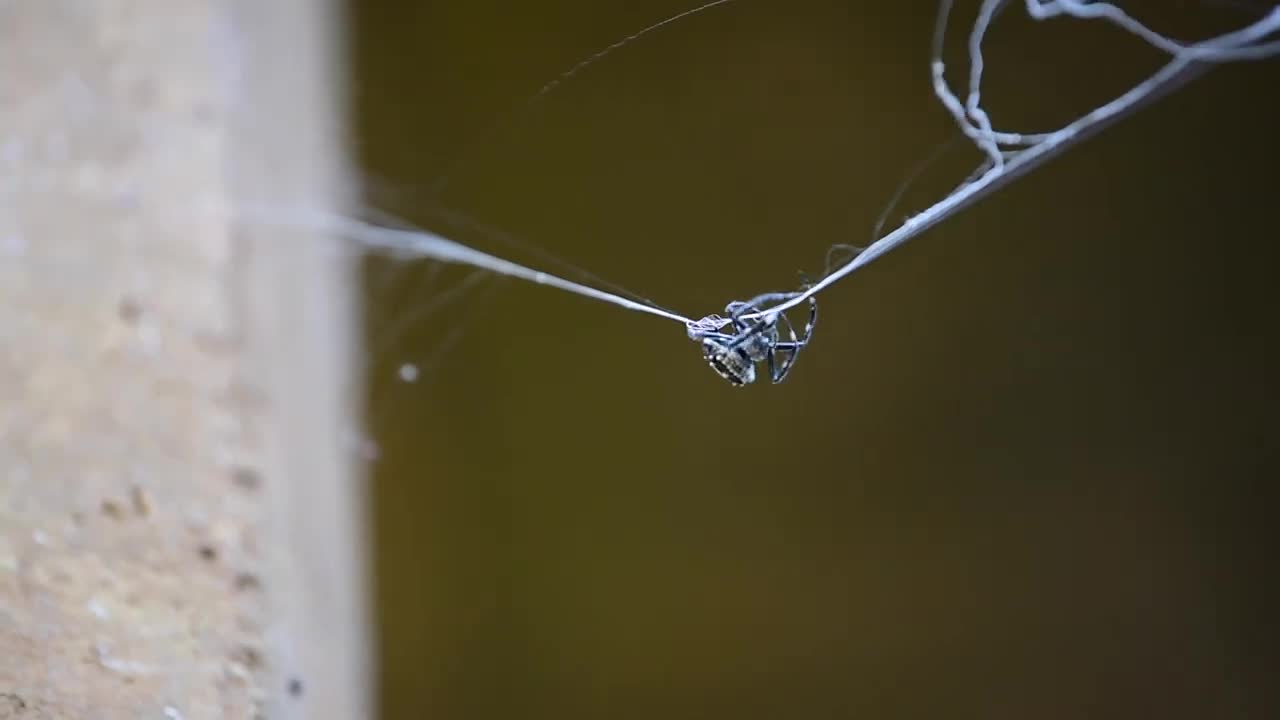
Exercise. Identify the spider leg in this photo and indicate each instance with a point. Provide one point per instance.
(792, 347)
(736, 310)
(749, 332)
(813, 308)
(772, 298)
(743, 327)
(813, 320)
(791, 330)
(792, 350)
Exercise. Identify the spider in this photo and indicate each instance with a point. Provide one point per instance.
(734, 357)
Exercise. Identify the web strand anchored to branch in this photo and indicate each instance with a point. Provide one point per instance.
(423, 244)
(1009, 155)
(1189, 61)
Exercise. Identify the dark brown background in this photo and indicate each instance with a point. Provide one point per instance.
(1027, 467)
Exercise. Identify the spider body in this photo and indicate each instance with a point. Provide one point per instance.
(734, 356)
(735, 364)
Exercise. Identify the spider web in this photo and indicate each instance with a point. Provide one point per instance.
(409, 262)
(442, 302)
(1009, 154)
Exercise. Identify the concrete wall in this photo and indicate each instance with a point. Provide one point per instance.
(180, 505)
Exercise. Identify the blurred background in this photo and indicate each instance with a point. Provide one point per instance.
(1027, 467)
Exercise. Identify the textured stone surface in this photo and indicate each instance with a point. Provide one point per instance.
(145, 536)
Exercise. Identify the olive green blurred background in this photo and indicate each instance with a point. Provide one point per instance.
(1027, 468)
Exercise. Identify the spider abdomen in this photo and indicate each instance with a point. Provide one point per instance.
(731, 363)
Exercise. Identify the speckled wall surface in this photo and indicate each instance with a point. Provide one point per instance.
(151, 565)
